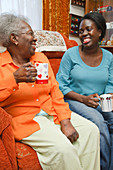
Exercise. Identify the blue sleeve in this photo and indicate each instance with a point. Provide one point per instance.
(63, 74)
(109, 86)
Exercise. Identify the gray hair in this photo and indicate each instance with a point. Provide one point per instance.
(9, 24)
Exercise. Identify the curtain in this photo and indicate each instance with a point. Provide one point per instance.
(56, 16)
(32, 9)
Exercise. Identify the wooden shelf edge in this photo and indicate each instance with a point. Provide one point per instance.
(106, 46)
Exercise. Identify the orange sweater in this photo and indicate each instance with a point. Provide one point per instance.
(24, 100)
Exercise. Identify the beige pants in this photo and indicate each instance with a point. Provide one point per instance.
(56, 152)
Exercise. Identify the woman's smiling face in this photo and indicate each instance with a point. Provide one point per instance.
(26, 40)
(89, 33)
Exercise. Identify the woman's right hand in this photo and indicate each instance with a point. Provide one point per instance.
(26, 73)
(91, 100)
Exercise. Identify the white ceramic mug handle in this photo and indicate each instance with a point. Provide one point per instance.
(99, 104)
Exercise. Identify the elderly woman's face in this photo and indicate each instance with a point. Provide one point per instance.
(89, 33)
(26, 40)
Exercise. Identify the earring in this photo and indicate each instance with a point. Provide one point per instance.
(16, 43)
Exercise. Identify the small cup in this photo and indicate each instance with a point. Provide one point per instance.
(106, 102)
(42, 73)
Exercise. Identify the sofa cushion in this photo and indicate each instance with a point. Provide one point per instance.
(7, 142)
(53, 44)
(5, 120)
(54, 59)
(26, 157)
(4, 159)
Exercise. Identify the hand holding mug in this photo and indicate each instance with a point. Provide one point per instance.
(25, 73)
(91, 100)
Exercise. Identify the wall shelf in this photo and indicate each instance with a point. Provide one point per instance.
(74, 20)
(109, 48)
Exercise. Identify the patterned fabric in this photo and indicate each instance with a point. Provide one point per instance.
(49, 41)
(56, 16)
(26, 157)
(7, 143)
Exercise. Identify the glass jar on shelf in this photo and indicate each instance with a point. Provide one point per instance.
(74, 21)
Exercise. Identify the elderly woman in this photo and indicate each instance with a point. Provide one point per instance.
(85, 73)
(38, 110)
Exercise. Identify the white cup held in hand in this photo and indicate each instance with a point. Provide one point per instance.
(42, 73)
(106, 102)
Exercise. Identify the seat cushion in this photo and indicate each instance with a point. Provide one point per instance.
(27, 158)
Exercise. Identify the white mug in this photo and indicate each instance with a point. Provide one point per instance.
(42, 73)
(106, 102)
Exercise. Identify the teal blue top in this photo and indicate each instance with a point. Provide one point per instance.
(75, 75)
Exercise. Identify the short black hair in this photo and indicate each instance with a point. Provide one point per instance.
(98, 19)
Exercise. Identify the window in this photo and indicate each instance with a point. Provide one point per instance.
(32, 9)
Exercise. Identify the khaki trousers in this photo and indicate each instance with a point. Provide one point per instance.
(56, 152)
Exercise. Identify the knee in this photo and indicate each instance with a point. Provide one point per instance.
(64, 148)
(93, 137)
(94, 130)
(99, 121)
(102, 125)
(110, 126)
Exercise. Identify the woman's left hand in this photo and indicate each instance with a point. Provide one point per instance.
(68, 130)
(91, 100)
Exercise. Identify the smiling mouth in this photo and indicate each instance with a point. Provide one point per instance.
(86, 40)
(34, 47)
